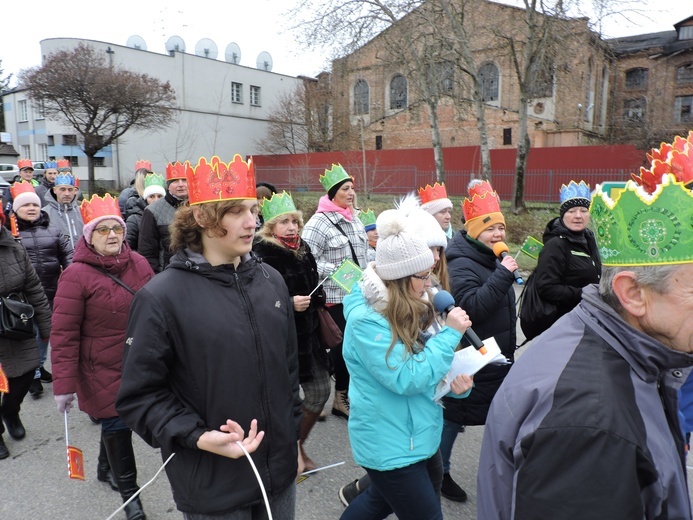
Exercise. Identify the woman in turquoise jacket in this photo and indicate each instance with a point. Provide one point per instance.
(397, 354)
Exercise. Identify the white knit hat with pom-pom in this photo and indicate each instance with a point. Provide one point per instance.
(399, 253)
(420, 222)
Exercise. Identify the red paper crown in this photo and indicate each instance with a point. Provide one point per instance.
(21, 187)
(435, 192)
(99, 207)
(482, 201)
(675, 158)
(64, 163)
(24, 163)
(216, 180)
(143, 164)
(177, 170)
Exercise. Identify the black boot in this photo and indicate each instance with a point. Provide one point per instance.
(103, 469)
(121, 457)
(4, 452)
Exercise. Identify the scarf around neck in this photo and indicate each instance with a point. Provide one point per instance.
(325, 205)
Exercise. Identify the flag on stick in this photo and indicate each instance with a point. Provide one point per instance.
(4, 383)
(346, 275)
(75, 458)
(531, 247)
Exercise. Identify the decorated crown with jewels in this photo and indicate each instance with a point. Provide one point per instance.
(334, 175)
(435, 192)
(99, 207)
(482, 201)
(573, 190)
(675, 158)
(278, 204)
(143, 164)
(642, 228)
(215, 181)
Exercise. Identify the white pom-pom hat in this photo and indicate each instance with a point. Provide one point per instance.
(421, 223)
(399, 253)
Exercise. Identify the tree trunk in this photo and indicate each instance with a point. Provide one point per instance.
(483, 138)
(435, 140)
(523, 147)
(90, 172)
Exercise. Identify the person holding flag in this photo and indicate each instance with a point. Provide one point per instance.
(335, 233)
(211, 358)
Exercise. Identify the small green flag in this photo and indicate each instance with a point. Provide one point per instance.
(531, 247)
(346, 275)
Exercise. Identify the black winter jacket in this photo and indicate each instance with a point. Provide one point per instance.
(154, 242)
(301, 276)
(484, 289)
(49, 251)
(206, 344)
(568, 262)
(133, 219)
(17, 275)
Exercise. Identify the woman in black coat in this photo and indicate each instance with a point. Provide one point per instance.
(279, 245)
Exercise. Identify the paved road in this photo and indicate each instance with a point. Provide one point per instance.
(34, 483)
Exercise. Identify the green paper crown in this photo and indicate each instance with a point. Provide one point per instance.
(154, 179)
(367, 217)
(333, 176)
(636, 228)
(279, 204)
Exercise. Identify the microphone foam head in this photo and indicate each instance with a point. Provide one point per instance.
(500, 247)
(442, 300)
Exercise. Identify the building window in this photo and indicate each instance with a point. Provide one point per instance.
(507, 136)
(361, 97)
(236, 92)
(43, 152)
(686, 33)
(398, 92)
(26, 151)
(40, 109)
(636, 78)
(378, 142)
(634, 110)
(684, 74)
(22, 110)
(254, 96)
(541, 80)
(99, 162)
(69, 140)
(488, 82)
(51, 140)
(682, 109)
(73, 160)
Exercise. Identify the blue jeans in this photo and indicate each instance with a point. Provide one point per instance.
(283, 506)
(412, 493)
(112, 424)
(447, 440)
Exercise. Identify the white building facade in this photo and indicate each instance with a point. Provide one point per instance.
(223, 109)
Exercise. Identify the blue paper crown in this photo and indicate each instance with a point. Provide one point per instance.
(50, 164)
(575, 191)
(65, 179)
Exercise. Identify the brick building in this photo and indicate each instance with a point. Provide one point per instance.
(378, 98)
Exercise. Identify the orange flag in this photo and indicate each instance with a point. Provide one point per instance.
(4, 383)
(75, 463)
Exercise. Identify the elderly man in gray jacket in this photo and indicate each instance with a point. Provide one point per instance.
(585, 425)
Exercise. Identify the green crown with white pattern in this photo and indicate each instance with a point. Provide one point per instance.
(637, 228)
(334, 175)
(279, 204)
(154, 179)
(367, 217)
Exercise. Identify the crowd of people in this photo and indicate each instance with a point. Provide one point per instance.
(584, 424)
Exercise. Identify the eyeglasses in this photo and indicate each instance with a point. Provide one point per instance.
(104, 231)
(423, 278)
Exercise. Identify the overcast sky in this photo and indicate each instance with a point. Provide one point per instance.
(255, 26)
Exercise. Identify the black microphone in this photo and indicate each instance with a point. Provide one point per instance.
(500, 249)
(444, 302)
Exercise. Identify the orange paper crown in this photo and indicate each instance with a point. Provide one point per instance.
(21, 187)
(99, 207)
(429, 193)
(675, 158)
(143, 164)
(177, 170)
(64, 163)
(215, 180)
(482, 201)
(24, 163)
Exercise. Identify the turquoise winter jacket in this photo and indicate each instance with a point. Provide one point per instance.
(393, 421)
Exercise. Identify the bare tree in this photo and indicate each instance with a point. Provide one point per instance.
(286, 131)
(4, 84)
(100, 101)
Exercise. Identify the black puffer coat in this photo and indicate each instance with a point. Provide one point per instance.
(301, 276)
(49, 250)
(484, 289)
(568, 262)
(133, 219)
(17, 275)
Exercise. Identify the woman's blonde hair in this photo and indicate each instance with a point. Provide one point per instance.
(266, 232)
(406, 315)
(440, 271)
(186, 231)
(139, 180)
